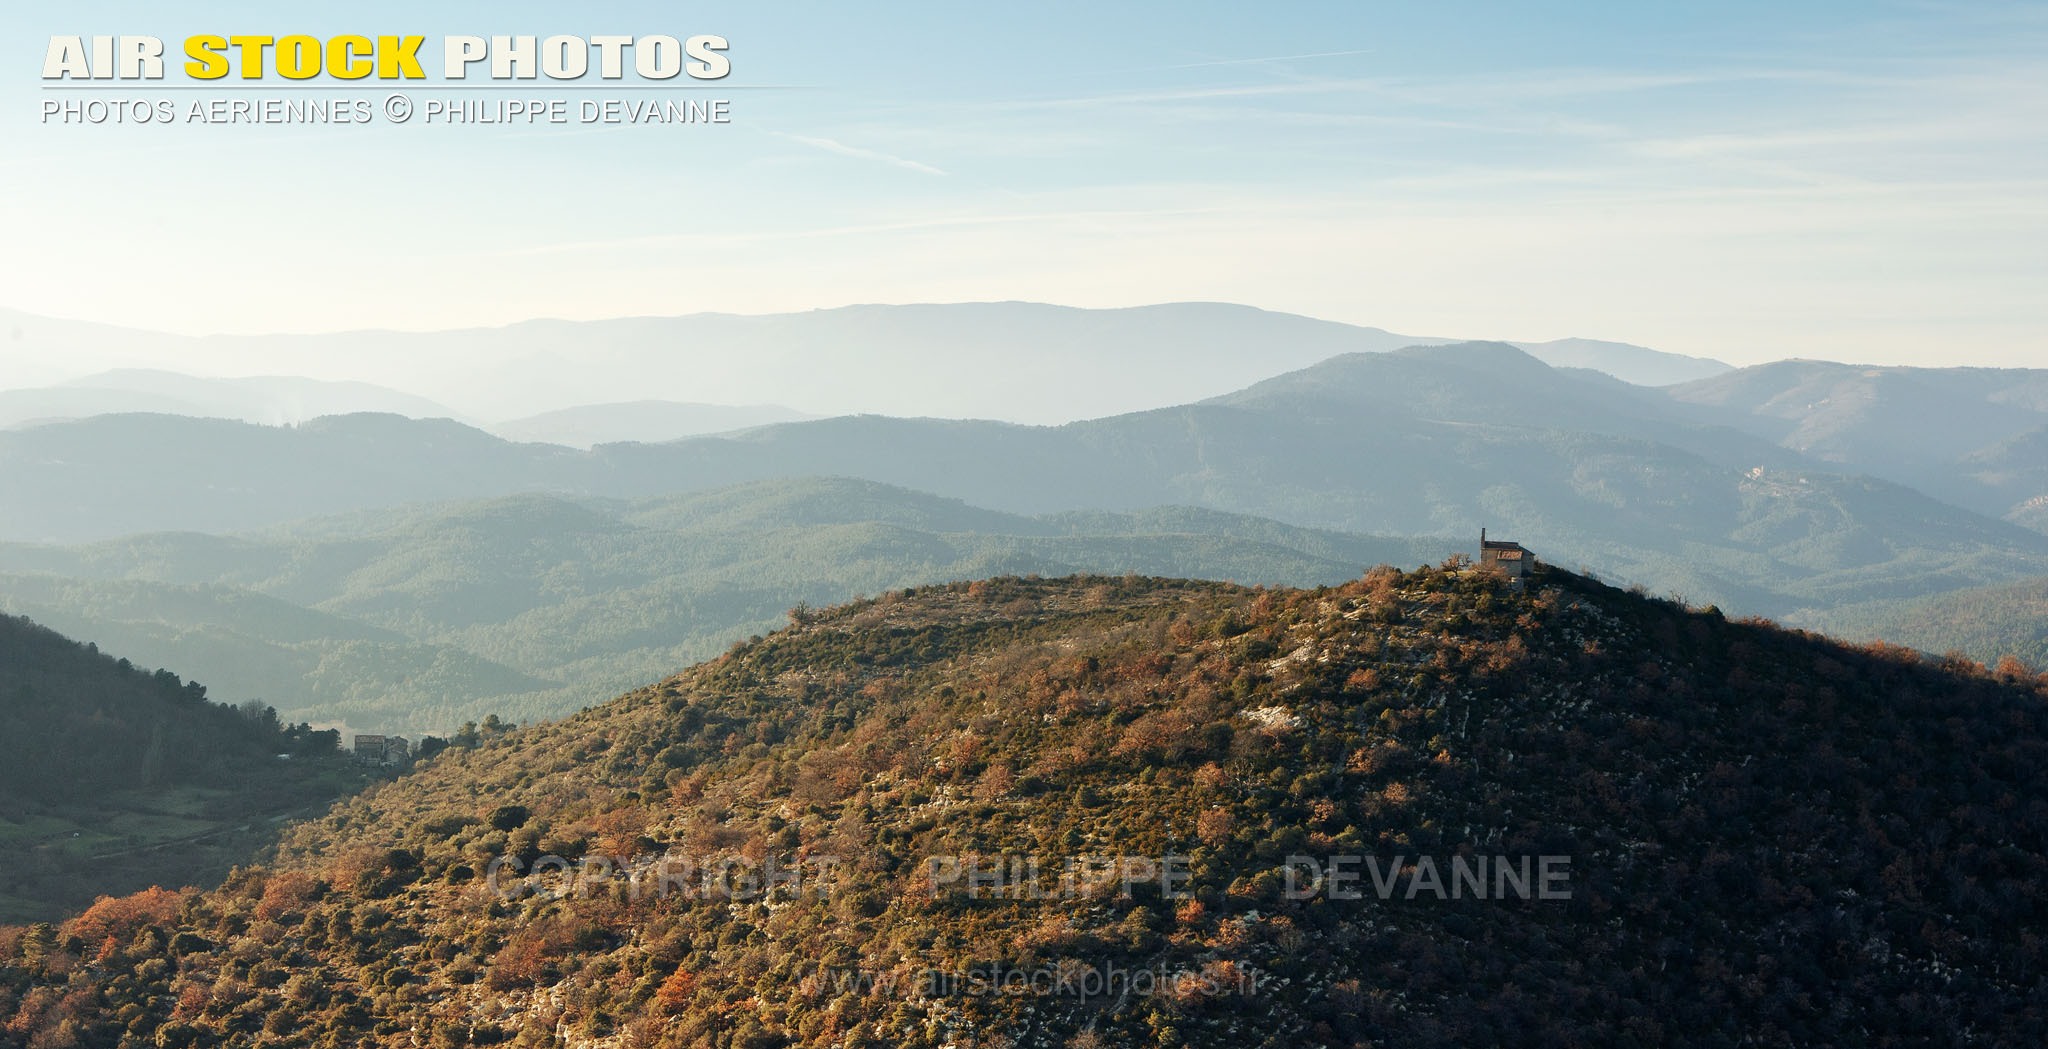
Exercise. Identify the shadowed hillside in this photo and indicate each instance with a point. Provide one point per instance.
(116, 777)
(1753, 836)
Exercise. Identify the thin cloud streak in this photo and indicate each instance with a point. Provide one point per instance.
(1253, 61)
(857, 153)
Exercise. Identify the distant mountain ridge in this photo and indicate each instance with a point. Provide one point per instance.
(1637, 365)
(1959, 434)
(1016, 361)
(1974, 436)
(1423, 441)
(269, 400)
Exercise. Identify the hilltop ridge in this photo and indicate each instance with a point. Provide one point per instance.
(1765, 836)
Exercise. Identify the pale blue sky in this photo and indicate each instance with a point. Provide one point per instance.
(1749, 181)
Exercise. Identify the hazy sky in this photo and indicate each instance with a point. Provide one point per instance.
(1859, 181)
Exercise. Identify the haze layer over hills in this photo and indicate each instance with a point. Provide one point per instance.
(1425, 441)
(1826, 494)
(1014, 361)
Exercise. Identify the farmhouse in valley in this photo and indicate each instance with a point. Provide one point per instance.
(382, 750)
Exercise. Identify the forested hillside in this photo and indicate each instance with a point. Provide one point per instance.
(1766, 838)
(1986, 624)
(115, 777)
(533, 606)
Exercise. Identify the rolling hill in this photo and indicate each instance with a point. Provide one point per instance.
(926, 819)
(1426, 441)
(533, 606)
(649, 422)
(1430, 441)
(1972, 436)
(271, 400)
(329, 670)
(1986, 623)
(2014, 474)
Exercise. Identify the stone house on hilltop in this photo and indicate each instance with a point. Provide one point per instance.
(1509, 558)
